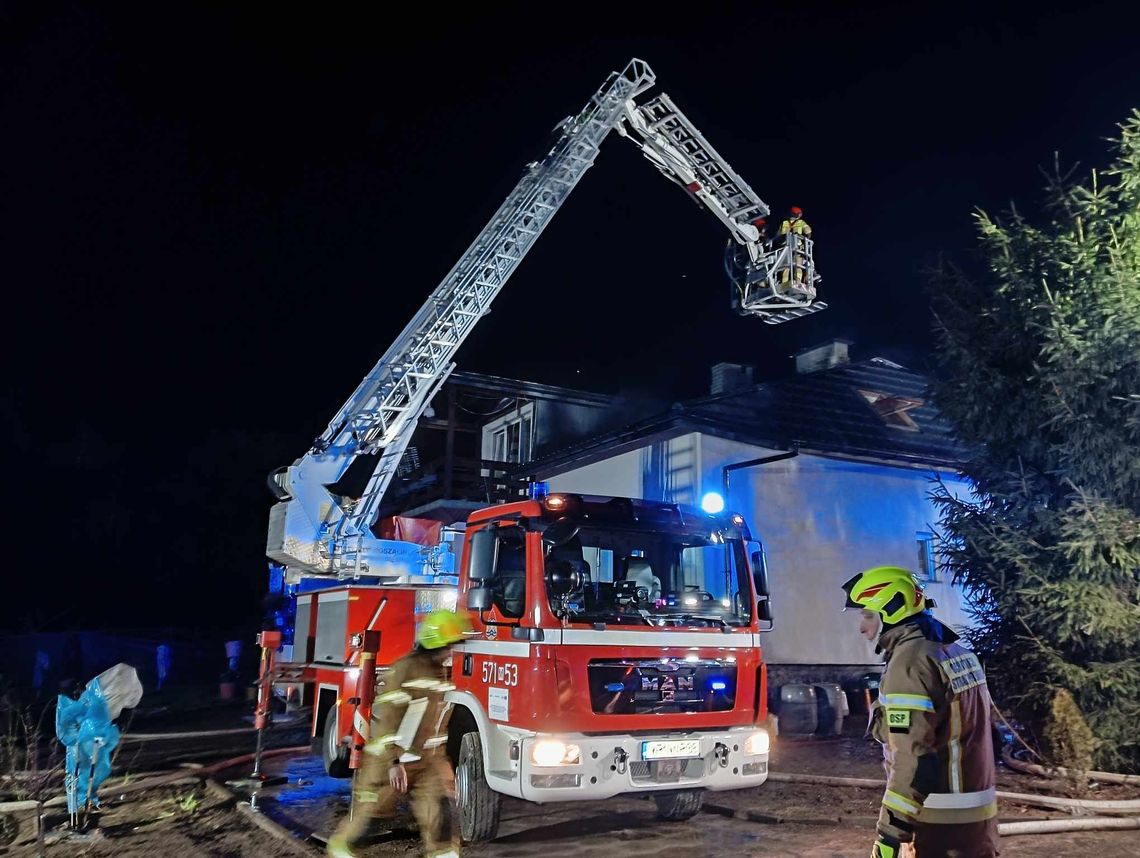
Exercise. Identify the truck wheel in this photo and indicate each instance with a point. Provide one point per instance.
(680, 805)
(478, 803)
(335, 754)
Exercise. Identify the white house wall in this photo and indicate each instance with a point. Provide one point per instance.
(821, 520)
(663, 470)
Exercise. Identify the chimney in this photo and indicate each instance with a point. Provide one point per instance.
(730, 376)
(824, 356)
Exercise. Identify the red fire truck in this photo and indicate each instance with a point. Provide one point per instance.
(617, 651)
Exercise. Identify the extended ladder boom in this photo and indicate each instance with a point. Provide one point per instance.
(673, 145)
(313, 531)
(773, 282)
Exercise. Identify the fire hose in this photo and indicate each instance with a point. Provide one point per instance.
(1037, 826)
(1060, 772)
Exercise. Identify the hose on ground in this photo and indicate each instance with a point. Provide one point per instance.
(233, 762)
(1043, 771)
(1051, 801)
(1050, 772)
(199, 734)
(1056, 826)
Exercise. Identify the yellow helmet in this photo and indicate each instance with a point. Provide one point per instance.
(442, 628)
(889, 591)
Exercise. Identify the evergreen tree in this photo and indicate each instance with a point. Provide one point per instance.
(1038, 368)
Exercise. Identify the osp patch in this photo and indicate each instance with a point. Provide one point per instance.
(898, 718)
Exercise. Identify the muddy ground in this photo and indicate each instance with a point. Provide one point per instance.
(777, 819)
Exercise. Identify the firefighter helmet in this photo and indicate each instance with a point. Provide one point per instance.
(442, 628)
(797, 211)
(889, 591)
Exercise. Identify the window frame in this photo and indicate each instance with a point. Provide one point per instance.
(926, 543)
(497, 441)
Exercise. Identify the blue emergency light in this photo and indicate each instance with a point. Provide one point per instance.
(712, 503)
(538, 490)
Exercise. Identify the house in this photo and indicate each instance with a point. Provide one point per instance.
(832, 467)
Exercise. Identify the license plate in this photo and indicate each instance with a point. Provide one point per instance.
(671, 750)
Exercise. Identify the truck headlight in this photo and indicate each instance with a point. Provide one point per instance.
(757, 743)
(554, 752)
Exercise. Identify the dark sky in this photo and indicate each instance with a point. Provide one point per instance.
(215, 220)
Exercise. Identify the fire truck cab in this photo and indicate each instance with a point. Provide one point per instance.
(616, 650)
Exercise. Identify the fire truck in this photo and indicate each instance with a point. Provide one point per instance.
(617, 646)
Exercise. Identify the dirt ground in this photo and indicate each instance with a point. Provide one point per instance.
(173, 825)
(162, 823)
(777, 819)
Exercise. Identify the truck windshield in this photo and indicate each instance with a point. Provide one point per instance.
(657, 578)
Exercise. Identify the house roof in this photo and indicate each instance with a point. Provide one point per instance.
(529, 389)
(873, 409)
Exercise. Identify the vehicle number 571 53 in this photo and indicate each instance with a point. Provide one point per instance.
(500, 674)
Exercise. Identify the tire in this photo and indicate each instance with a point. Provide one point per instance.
(679, 805)
(478, 804)
(334, 753)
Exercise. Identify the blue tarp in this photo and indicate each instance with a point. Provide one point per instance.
(85, 728)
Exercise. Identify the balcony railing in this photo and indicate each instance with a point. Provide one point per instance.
(474, 480)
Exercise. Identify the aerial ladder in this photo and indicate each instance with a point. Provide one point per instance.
(313, 531)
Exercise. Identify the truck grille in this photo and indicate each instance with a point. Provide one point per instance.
(659, 686)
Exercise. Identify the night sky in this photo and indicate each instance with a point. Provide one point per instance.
(215, 220)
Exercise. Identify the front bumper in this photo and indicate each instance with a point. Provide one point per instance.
(613, 765)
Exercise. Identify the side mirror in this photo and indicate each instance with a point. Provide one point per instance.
(483, 552)
(479, 599)
(559, 533)
(760, 574)
(764, 610)
(562, 578)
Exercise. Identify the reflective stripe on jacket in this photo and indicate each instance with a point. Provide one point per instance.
(410, 716)
(935, 718)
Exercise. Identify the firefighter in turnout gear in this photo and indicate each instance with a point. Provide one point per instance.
(934, 716)
(408, 748)
(795, 225)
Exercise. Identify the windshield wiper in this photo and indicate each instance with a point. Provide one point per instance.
(725, 626)
(603, 617)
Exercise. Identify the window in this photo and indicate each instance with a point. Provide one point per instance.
(644, 574)
(510, 575)
(504, 557)
(601, 561)
(927, 558)
(510, 438)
